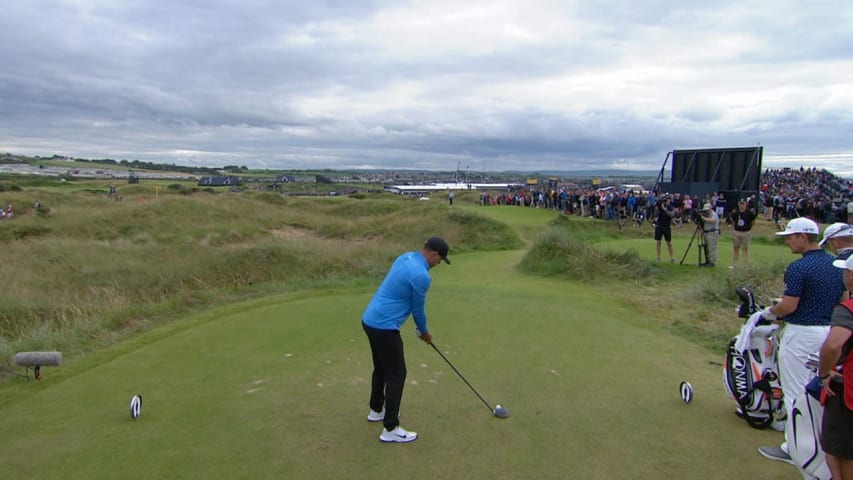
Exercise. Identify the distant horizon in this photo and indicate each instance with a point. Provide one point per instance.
(573, 173)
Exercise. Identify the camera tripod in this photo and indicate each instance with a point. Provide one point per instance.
(702, 247)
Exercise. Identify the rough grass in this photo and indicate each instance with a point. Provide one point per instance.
(97, 269)
(561, 252)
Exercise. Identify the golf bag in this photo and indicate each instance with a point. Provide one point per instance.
(803, 430)
(750, 372)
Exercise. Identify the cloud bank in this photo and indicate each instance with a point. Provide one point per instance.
(499, 85)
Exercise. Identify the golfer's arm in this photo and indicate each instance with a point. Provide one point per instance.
(418, 303)
(785, 306)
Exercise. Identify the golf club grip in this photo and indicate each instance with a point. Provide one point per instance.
(461, 376)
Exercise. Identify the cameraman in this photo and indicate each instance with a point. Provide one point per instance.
(711, 230)
(662, 216)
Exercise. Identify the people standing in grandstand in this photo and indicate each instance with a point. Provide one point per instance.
(688, 208)
(813, 286)
(742, 221)
(663, 214)
(768, 205)
(720, 206)
(850, 212)
(778, 208)
(836, 437)
(711, 230)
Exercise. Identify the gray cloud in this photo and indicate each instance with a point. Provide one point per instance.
(537, 84)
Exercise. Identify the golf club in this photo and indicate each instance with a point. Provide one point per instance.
(499, 411)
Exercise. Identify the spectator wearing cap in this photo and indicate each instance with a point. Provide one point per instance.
(711, 231)
(742, 221)
(838, 238)
(813, 286)
(402, 293)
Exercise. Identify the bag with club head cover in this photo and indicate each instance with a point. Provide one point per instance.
(498, 411)
(751, 377)
(751, 372)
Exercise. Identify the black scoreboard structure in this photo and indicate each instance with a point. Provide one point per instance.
(734, 172)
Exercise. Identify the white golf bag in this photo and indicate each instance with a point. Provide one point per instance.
(751, 373)
(751, 378)
(803, 430)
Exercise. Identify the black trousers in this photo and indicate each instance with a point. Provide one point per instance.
(389, 373)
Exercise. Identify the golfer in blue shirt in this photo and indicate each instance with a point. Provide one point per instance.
(402, 293)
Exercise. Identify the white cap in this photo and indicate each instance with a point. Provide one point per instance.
(800, 225)
(848, 264)
(836, 230)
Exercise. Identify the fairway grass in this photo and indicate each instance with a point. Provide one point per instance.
(278, 387)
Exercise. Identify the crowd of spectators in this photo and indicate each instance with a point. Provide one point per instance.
(783, 194)
(818, 194)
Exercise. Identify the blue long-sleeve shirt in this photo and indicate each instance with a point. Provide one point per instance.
(402, 293)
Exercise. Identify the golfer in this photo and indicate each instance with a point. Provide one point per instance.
(813, 286)
(837, 427)
(402, 293)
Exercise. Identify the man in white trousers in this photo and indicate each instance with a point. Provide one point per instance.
(813, 286)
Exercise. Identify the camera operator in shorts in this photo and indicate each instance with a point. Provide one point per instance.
(711, 231)
(662, 217)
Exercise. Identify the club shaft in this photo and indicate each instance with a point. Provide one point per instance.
(461, 376)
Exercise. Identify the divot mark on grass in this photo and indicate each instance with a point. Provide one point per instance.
(252, 390)
(414, 382)
(423, 365)
(554, 372)
(320, 385)
(288, 354)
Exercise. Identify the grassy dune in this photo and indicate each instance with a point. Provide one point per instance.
(95, 270)
(259, 385)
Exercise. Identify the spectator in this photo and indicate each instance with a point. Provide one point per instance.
(742, 220)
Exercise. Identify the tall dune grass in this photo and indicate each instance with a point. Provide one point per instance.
(96, 269)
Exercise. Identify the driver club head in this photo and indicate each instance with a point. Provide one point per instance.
(500, 412)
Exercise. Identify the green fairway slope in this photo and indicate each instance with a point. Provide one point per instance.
(277, 388)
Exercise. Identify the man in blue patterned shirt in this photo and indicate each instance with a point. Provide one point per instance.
(813, 286)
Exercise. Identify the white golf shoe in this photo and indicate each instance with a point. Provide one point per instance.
(373, 416)
(398, 435)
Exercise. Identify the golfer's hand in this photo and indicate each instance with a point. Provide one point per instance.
(766, 314)
(425, 336)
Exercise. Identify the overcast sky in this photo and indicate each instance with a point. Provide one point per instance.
(434, 84)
